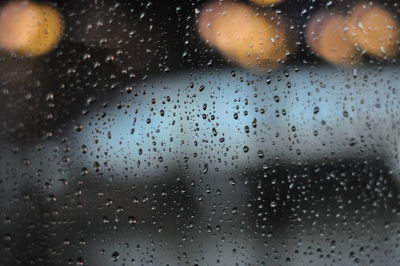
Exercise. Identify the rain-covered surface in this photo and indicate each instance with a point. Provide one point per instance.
(199, 133)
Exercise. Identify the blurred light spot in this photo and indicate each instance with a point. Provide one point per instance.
(374, 30)
(267, 2)
(327, 37)
(28, 28)
(244, 36)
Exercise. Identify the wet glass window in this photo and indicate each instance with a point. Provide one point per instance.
(191, 132)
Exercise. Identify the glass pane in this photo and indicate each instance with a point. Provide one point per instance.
(254, 132)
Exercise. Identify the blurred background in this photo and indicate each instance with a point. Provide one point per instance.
(96, 47)
(258, 132)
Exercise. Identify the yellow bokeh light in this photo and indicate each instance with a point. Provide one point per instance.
(326, 34)
(244, 36)
(374, 30)
(29, 29)
(267, 2)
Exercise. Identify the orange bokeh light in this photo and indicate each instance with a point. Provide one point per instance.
(242, 34)
(267, 2)
(28, 28)
(326, 35)
(374, 30)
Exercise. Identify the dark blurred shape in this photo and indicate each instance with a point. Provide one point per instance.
(41, 94)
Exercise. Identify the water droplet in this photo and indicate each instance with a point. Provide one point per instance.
(115, 256)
